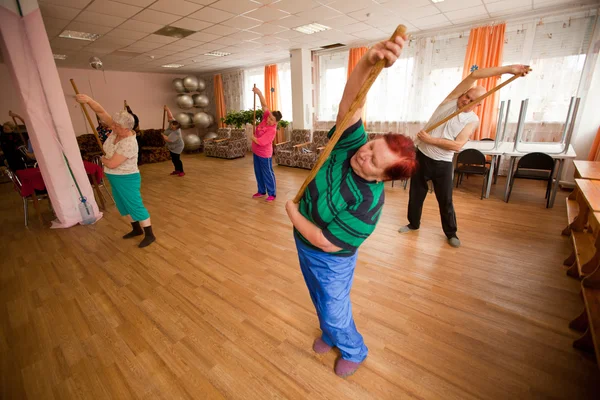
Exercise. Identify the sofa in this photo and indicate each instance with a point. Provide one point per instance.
(288, 153)
(210, 145)
(235, 146)
(310, 152)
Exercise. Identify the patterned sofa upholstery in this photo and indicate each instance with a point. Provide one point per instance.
(234, 147)
(311, 152)
(288, 153)
(88, 146)
(210, 145)
(154, 149)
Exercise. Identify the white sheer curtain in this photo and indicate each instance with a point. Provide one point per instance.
(252, 76)
(233, 86)
(556, 51)
(332, 75)
(284, 74)
(405, 95)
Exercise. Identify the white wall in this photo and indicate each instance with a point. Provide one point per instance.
(146, 93)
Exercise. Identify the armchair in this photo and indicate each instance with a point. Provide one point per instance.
(288, 153)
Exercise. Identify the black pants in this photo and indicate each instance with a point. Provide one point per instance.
(441, 175)
(176, 158)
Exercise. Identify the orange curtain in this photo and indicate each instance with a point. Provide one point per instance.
(595, 150)
(272, 87)
(354, 57)
(485, 48)
(219, 100)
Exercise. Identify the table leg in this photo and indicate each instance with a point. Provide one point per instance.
(490, 177)
(97, 190)
(508, 178)
(555, 186)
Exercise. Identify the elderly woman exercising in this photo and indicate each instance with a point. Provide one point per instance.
(341, 207)
(120, 166)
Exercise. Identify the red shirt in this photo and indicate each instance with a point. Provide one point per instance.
(265, 134)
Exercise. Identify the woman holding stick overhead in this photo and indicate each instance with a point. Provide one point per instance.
(120, 167)
(262, 147)
(341, 206)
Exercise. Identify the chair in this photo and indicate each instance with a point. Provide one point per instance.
(39, 195)
(472, 162)
(310, 152)
(288, 153)
(536, 166)
(233, 147)
(210, 145)
(97, 160)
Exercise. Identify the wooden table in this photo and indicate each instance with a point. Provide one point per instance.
(587, 169)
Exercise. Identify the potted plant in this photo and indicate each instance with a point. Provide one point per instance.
(281, 126)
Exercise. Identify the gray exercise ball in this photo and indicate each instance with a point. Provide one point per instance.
(192, 142)
(202, 120)
(178, 85)
(184, 119)
(190, 83)
(210, 135)
(185, 101)
(211, 119)
(201, 84)
(200, 100)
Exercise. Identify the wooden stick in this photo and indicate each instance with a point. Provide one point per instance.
(339, 130)
(88, 118)
(254, 117)
(471, 104)
(19, 129)
(164, 117)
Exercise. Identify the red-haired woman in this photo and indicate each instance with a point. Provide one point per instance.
(340, 209)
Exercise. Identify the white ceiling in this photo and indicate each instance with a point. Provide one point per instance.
(254, 31)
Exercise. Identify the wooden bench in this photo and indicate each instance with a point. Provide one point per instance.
(583, 170)
(584, 229)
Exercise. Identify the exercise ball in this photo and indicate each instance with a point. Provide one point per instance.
(210, 135)
(185, 101)
(192, 142)
(201, 100)
(202, 120)
(190, 83)
(201, 85)
(211, 119)
(178, 85)
(184, 119)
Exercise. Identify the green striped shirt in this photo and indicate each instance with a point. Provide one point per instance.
(342, 204)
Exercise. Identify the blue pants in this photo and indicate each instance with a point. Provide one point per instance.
(265, 177)
(329, 280)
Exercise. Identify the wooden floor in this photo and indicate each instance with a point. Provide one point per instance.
(217, 307)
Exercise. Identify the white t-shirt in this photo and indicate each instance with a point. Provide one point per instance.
(448, 130)
(127, 147)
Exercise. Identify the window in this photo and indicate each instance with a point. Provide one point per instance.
(556, 53)
(253, 76)
(284, 73)
(332, 80)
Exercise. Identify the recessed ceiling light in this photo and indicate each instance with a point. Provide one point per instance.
(437, 1)
(172, 65)
(217, 54)
(59, 56)
(311, 28)
(79, 35)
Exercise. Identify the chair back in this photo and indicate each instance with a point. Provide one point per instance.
(300, 136)
(15, 180)
(223, 133)
(539, 161)
(238, 134)
(471, 157)
(320, 138)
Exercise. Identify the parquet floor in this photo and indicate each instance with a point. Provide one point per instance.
(217, 307)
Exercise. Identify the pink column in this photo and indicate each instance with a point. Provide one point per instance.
(29, 58)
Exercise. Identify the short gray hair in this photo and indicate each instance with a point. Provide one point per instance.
(124, 119)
